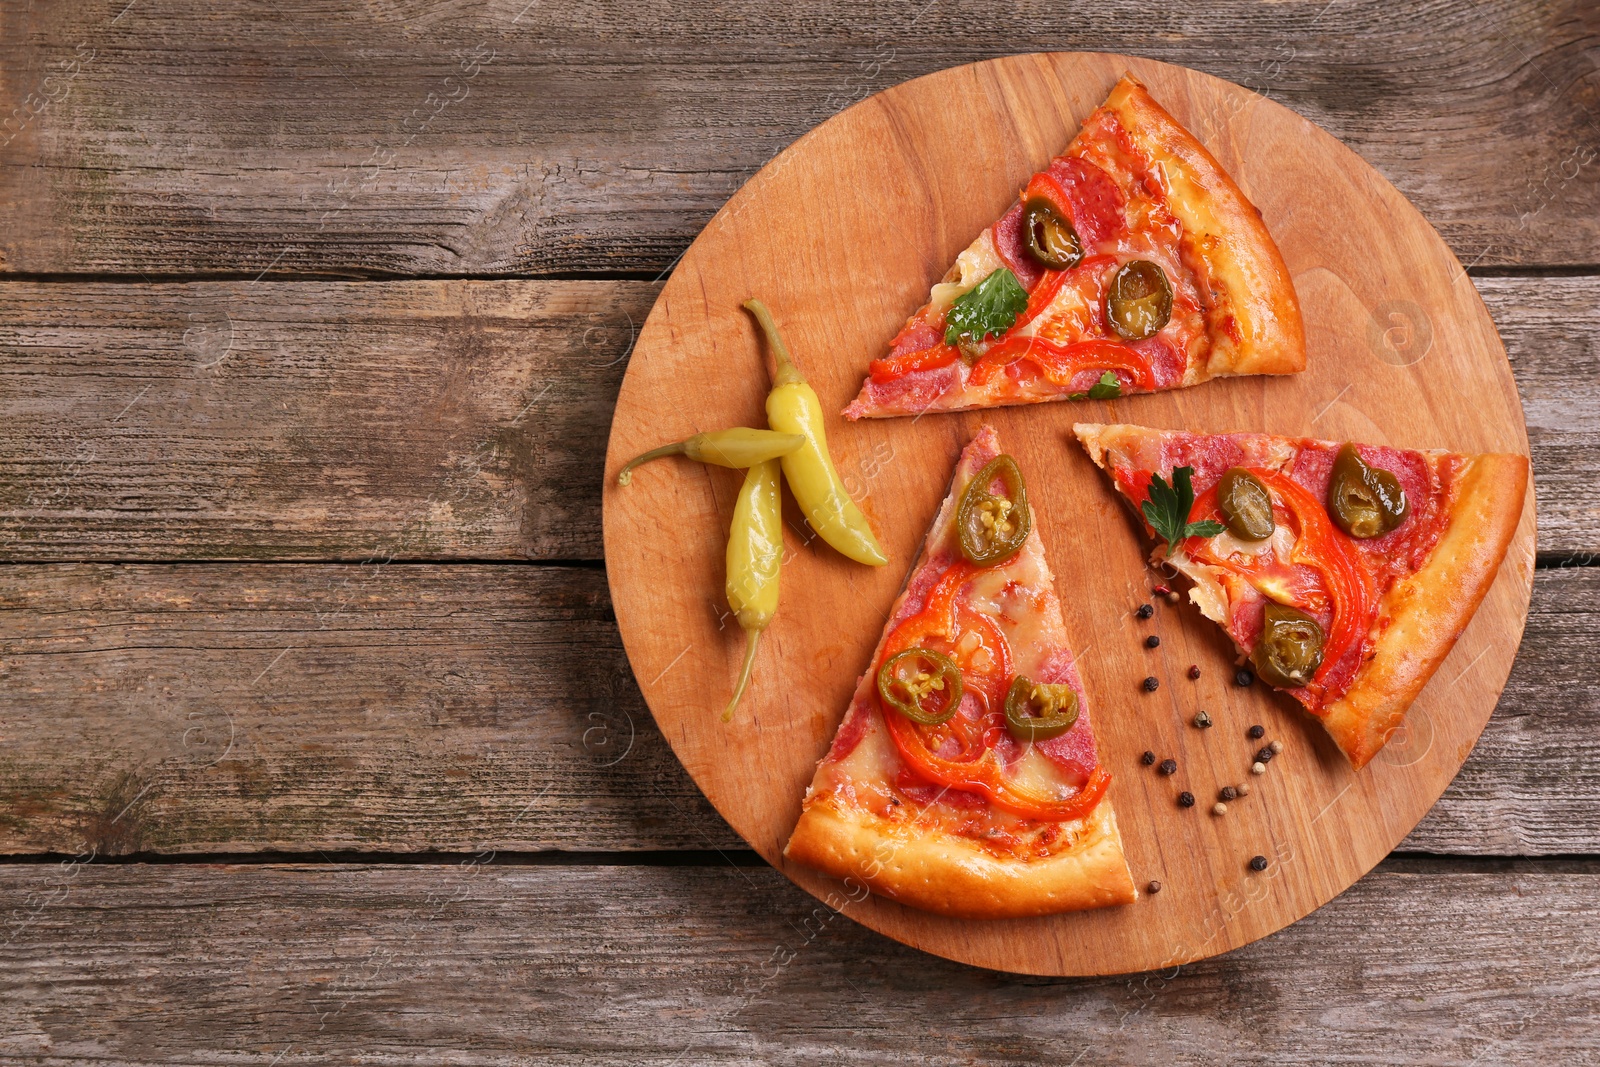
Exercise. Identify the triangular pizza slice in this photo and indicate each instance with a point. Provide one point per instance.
(963, 779)
(1132, 263)
(1343, 572)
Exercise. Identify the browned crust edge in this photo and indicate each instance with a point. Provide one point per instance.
(1248, 279)
(1421, 617)
(949, 875)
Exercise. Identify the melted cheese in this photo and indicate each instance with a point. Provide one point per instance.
(980, 260)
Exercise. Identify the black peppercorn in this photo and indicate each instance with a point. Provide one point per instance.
(1258, 863)
(1242, 677)
(1152, 641)
(1145, 611)
(1153, 887)
(1151, 685)
(1228, 793)
(1185, 799)
(1256, 733)
(1194, 671)
(1168, 766)
(1265, 755)
(1148, 758)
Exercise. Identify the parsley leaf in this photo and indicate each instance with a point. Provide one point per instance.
(1168, 509)
(1107, 388)
(990, 307)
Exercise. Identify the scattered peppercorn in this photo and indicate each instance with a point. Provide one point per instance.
(1229, 793)
(1152, 641)
(1145, 611)
(1258, 863)
(1151, 685)
(1202, 720)
(1185, 799)
(1173, 598)
(1265, 755)
(1243, 789)
(1258, 768)
(1276, 746)
(1148, 758)
(1168, 766)
(1153, 887)
(1194, 671)
(1219, 808)
(1242, 677)
(1256, 733)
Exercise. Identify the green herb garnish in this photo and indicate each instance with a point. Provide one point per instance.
(1107, 388)
(1167, 510)
(990, 307)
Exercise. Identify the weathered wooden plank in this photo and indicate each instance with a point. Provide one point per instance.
(1545, 323)
(238, 707)
(314, 420)
(391, 708)
(1427, 962)
(450, 419)
(489, 138)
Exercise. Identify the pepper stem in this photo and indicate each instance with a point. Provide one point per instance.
(787, 371)
(625, 475)
(750, 636)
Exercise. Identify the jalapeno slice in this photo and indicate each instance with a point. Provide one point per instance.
(1139, 300)
(992, 528)
(1365, 501)
(909, 680)
(1049, 238)
(1289, 650)
(1038, 712)
(1246, 505)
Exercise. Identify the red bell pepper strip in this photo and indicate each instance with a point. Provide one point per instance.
(942, 617)
(1319, 545)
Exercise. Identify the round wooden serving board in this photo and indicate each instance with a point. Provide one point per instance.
(841, 235)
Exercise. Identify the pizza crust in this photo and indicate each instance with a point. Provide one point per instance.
(1421, 617)
(951, 875)
(1254, 318)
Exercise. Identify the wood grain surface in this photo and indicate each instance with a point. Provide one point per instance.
(1420, 963)
(421, 708)
(396, 136)
(229, 420)
(841, 253)
(148, 147)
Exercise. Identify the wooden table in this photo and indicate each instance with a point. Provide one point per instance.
(317, 741)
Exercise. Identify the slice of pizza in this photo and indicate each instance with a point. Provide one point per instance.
(1343, 572)
(1132, 263)
(963, 779)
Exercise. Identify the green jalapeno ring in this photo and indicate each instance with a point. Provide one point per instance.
(1289, 650)
(946, 678)
(1246, 505)
(1056, 704)
(993, 528)
(1049, 237)
(1365, 501)
(1138, 300)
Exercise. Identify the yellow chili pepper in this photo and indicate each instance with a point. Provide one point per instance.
(793, 407)
(755, 548)
(738, 447)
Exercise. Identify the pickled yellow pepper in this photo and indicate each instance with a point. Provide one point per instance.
(793, 407)
(755, 548)
(738, 447)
